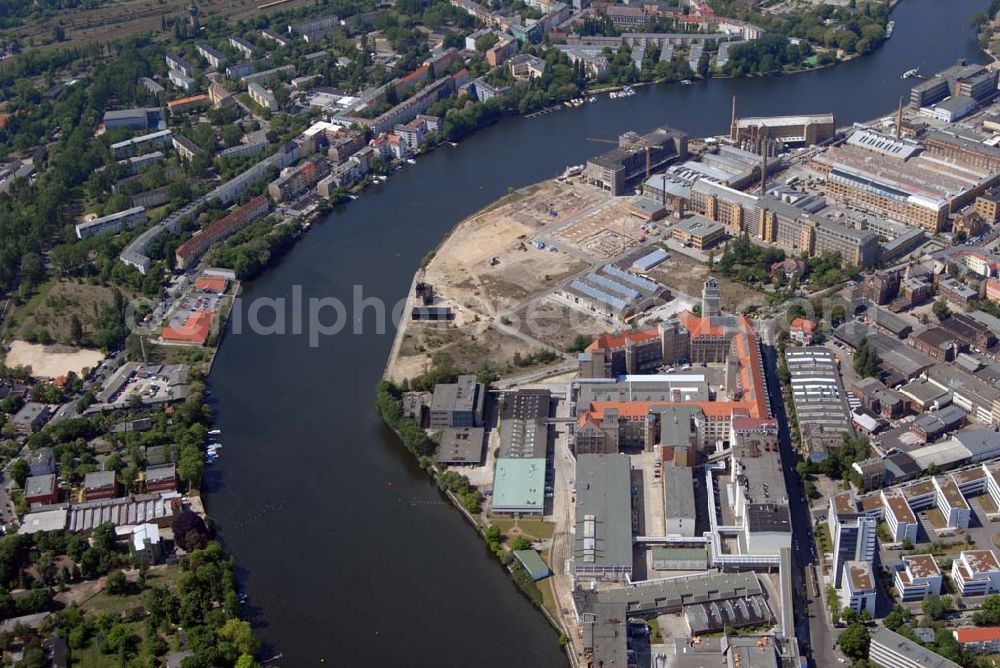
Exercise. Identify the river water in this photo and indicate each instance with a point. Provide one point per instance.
(347, 551)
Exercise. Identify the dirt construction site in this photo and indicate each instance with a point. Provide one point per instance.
(498, 269)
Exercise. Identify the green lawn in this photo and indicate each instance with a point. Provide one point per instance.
(935, 518)
(549, 598)
(530, 528)
(161, 576)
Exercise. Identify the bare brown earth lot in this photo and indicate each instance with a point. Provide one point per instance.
(51, 361)
(682, 274)
(501, 285)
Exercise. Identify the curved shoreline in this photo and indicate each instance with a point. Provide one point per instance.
(445, 236)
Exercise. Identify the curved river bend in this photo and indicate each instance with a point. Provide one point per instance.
(346, 549)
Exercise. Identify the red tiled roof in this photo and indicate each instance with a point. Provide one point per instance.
(746, 423)
(416, 74)
(187, 100)
(211, 284)
(612, 341)
(977, 634)
(754, 401)
(699, 326)
(194, 330)
(803, 325)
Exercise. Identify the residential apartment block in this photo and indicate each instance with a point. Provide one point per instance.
(976, 573)
(189, 251)
(115, 222)
(917, 577)
(858, 590)
(853, 534)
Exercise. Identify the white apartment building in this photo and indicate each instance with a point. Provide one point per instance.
(853, 534)
(976, 573)
(917, 577)
(900, 519)
(951, 503)
(858, 591)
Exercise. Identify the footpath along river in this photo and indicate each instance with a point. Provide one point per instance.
(346, 549)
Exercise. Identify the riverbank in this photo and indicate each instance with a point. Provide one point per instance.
(455, 488)
(319, 421)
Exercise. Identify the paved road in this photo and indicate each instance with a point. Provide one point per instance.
(562, 514)
(816, 638)
(536, 375)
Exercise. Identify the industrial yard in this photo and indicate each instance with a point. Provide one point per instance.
(506, 275)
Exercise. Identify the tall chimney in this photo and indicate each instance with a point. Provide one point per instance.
(763, 166)
(899, 119)
(734, 134)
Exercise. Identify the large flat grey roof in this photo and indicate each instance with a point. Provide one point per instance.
(674, 593)
(692, 387)
(39, 484)
(603, 511)
(678, 492)
(526, 405)
(758, 471)
(457, 396)
(461, 445)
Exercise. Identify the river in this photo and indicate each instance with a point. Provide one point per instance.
(346, 549)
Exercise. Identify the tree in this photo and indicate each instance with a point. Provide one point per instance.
(866, 361)
(231, 135)
(989, 613)
(833, 602)
(32, 270)
(238, 633)
(520, 543)
(936, 607)
(246, 661)
(116, 584)
(19, 471)
(897, 618)
(854, 641)
(941, 310)
(190, 532)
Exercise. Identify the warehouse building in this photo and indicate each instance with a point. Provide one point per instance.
(821, 406)
(678, 500)
(461, 446)
(519, 487)
(603, 541)
(637, 156)
(458, 404)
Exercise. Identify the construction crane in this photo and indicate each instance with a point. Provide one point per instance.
(615, 142)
